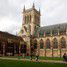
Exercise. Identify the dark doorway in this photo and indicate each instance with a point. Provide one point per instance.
(10, 49)
(23, 48)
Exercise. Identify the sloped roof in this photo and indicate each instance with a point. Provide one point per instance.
(47, 29)
(54, 27)
(8, 35)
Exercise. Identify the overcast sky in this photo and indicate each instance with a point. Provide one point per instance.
(52, 12)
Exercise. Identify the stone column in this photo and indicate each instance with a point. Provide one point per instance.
(66, 31)
(51, 33)
(59, 48)
(3, 49)
(45, 48)
(14, 49)
(38, 47)
(19, 49)
(28, 47)
(58, 32)
(52, 47)
(27, 43)
(66, 44)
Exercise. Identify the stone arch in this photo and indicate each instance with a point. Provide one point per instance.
(55, 43)
(23, 48)
(48, 44)
(10, 49)
(63, 42)
(41, 44)
(35, 44)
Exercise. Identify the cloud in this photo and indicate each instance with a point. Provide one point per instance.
(52, 12)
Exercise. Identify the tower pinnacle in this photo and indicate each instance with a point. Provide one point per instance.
(33, 6)
(24, 8)
(39, 10)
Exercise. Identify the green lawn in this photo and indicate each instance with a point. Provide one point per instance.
(41, 58)
(51, 58)
(14, 63)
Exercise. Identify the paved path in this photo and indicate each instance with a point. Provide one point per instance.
(51, 61)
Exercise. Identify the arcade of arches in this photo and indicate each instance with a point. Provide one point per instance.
(51, 46)
(11, 45)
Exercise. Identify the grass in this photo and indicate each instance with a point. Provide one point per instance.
(41, 58)
(14, 63)
(51, 58)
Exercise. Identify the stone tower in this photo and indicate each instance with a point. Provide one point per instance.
(31, 20)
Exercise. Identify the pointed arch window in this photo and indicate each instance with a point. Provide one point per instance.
(55, 43)
(41, 44)
(63, 42)
(48, 44)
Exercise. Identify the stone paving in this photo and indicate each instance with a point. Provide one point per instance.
(33, 60)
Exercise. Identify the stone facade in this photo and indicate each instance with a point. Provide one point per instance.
(50, 41)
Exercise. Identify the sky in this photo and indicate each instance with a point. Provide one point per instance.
(11, 17)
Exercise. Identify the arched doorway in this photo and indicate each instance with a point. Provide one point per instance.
(23, 48)
(16, 48)
(10, 49)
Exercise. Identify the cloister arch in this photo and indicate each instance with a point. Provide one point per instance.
(55, 43)
(41, 44)
(63, 42)
(48, 43)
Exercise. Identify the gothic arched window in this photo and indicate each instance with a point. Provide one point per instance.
(63, 42)
(41, 44)
(55, 43)
(27, 19)
(48, 44)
